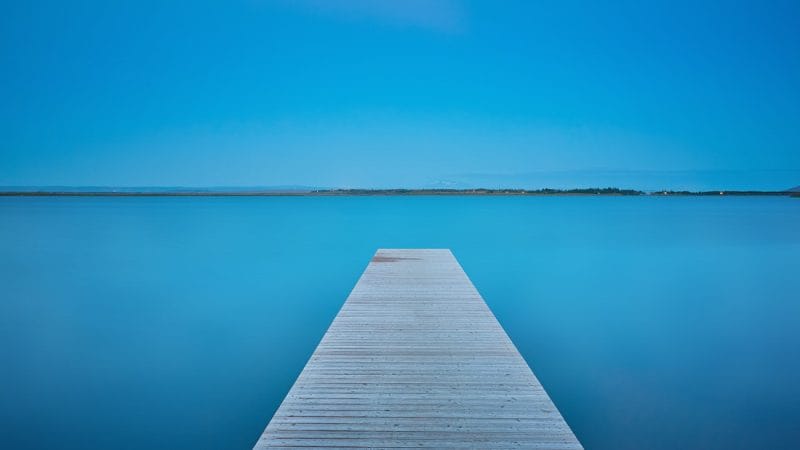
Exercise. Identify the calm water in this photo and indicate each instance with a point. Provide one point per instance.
(180, 323)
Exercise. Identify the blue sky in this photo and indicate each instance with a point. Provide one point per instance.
(358, 93)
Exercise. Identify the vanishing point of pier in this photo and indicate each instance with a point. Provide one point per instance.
(415, 358)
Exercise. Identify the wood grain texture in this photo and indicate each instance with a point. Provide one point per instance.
(415, 358)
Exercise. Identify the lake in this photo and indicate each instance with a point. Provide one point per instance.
(181, 323)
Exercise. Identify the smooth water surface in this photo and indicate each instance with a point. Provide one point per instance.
(180, 323)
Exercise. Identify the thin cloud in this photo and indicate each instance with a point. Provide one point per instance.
(708, 179)
(437, 15)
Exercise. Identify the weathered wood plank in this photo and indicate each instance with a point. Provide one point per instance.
(415, 358)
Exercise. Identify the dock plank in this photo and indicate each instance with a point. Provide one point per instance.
(415, 358)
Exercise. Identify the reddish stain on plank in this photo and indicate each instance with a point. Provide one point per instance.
(383, 259)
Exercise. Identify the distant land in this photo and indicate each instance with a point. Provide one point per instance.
(92, 191)
(144, 190)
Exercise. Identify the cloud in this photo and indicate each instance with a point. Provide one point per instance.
(437, 15)
(709, 179)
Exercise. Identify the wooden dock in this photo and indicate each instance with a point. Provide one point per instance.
(415, 358)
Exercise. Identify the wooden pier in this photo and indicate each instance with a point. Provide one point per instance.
(415, 358)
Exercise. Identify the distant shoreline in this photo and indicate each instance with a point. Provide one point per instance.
(387, 192)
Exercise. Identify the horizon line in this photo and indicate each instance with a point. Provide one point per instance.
(299, 190)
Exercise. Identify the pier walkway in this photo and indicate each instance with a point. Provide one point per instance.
(415, 358)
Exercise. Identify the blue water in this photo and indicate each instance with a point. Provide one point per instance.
(180, 323)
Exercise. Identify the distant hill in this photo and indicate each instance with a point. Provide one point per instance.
(160, 189)
(794, 189)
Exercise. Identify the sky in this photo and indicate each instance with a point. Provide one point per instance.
(407, 93)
